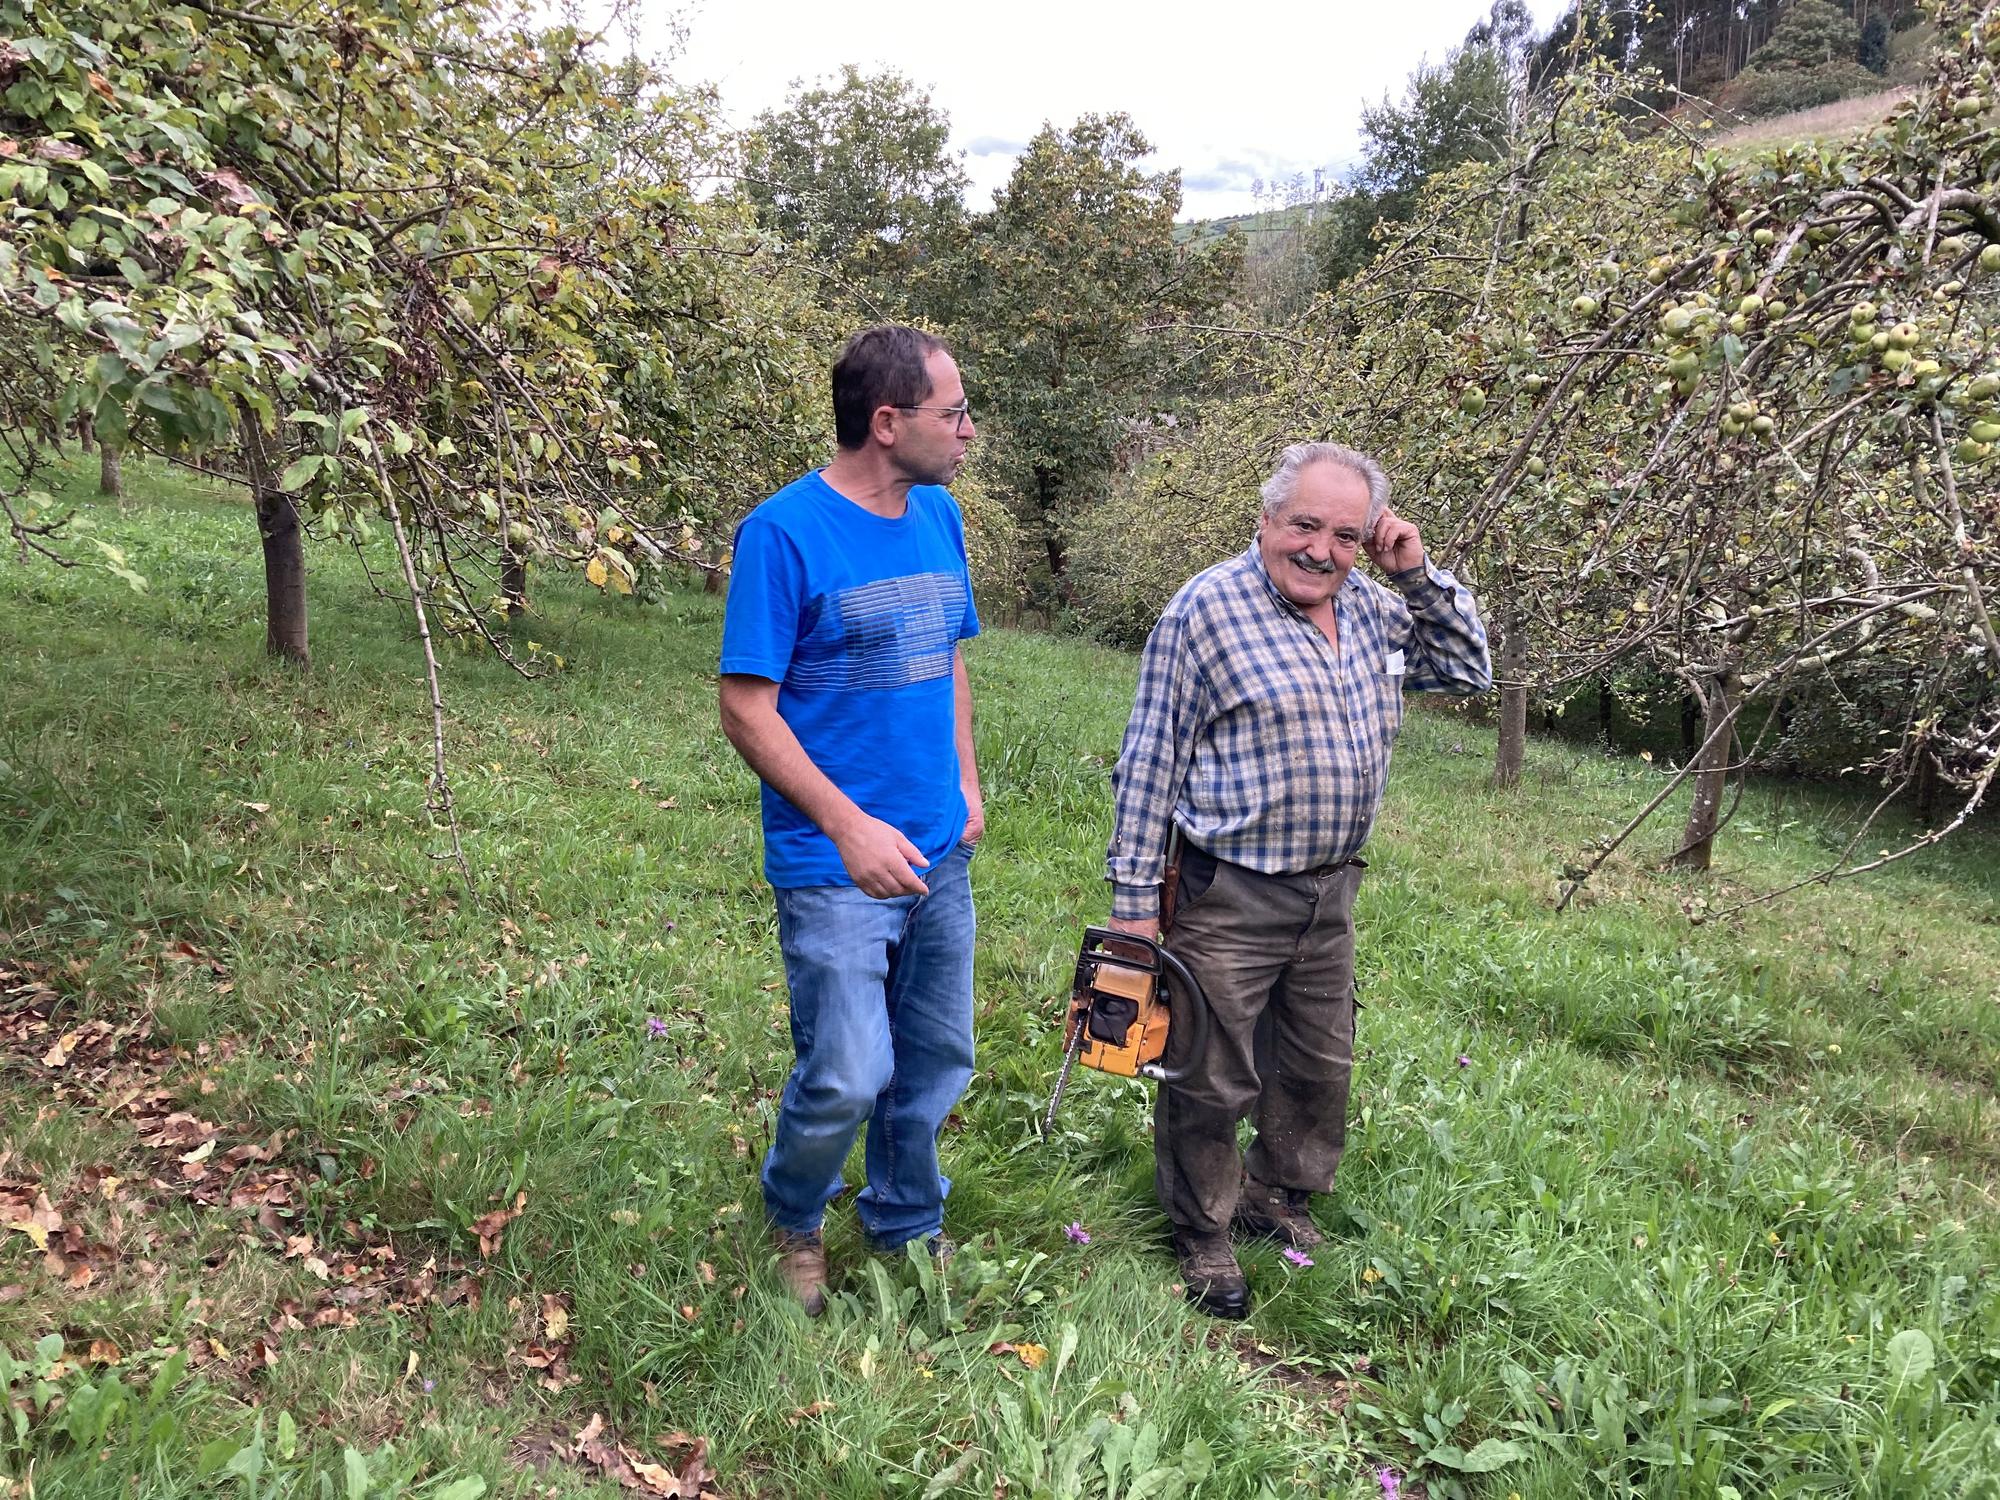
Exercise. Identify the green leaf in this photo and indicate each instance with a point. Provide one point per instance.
(300, 471)
(470, 1488)
(356, 1471)
(214, 1455)
(1494, 1453)
(1911, 1356)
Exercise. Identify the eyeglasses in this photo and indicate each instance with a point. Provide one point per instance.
(957, 415)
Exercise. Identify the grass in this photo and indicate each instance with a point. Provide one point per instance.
(1842, 120)
(1630, 1206)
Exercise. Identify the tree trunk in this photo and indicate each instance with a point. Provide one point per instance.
(284, 552)
(110, 480)
(86, 434)
(714, 580)
(514, 583)
(1513, 703)
(1711, 775)
(1930, 789)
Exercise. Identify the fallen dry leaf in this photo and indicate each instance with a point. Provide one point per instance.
(555, 1317)
(623, 1465)
(58, 1055)
(1030, 1355)
(487, 1227)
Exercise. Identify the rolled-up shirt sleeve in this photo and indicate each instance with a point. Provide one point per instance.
(1446, 639)
(1152, 764)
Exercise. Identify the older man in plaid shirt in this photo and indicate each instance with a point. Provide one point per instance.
(1270, 695)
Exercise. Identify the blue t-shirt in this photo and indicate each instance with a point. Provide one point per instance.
(857, 618)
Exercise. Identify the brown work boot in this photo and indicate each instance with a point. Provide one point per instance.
(802, 1266)
(1267, 1213)
(1214, 1281)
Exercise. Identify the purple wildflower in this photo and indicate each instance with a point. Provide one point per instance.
(1391, 1482)
(1078, 1235)
(1464, 1061)
(429, 1386)
(656, 1028)
(1297, 1257)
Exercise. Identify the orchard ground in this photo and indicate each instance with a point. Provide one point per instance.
(310, 1150)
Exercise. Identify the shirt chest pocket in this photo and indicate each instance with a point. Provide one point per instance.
(1385, 686)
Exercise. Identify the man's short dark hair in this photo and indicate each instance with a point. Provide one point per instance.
(879, 366)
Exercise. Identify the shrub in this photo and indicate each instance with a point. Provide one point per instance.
(1756, 93)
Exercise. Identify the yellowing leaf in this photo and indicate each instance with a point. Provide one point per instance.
(555, 1317)
(596, 572)
(200, 1153)
(1031, 1355)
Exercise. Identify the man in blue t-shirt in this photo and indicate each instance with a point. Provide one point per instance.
(844, 688)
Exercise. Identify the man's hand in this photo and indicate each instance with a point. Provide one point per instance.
(975, 816)
(880, 860)
(1394, 546)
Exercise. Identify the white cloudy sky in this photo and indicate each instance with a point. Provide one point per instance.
(1227, 93)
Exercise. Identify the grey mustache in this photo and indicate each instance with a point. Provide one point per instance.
(1300, 560)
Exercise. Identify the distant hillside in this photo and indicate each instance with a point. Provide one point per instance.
(1829, 122)
(1268, 221)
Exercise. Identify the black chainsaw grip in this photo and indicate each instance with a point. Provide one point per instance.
(1179, 977)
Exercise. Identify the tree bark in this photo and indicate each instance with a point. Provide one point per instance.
(1711, 774)
(86, 434)
(514, 583)
(1513, 747)
(284, 552)
(110, 478)
(1930, 789)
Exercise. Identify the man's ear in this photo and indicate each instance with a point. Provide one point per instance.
(882, 426)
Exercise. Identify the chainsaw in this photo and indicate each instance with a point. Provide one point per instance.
(1120, 1009)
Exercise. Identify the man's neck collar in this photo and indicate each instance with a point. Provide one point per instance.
(876, 487)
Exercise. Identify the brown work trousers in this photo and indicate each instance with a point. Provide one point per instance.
(1275, 954)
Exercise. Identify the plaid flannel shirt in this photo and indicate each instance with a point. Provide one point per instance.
(1249, 734)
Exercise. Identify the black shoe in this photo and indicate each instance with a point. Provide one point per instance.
(1214, 1281)
(1267, 1213)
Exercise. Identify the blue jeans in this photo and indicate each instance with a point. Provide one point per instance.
(881, 996)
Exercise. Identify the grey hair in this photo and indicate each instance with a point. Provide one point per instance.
(1284, 481)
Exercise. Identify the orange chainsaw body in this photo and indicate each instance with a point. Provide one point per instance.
(1121, 1005)
(1123, 1015)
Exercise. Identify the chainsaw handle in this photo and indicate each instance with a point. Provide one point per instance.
(1170, 971)
(1179, 977)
